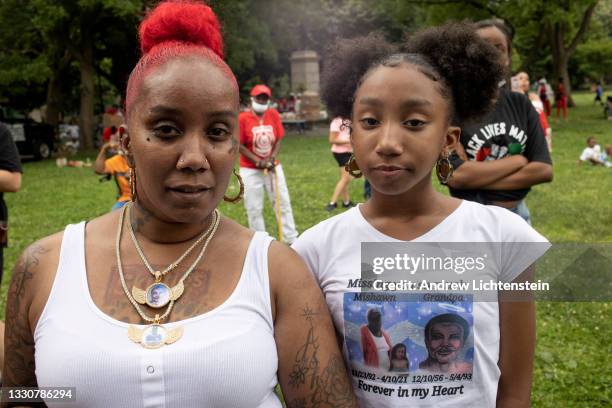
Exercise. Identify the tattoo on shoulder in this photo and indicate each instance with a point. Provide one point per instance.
(326, 381)
(19, 341)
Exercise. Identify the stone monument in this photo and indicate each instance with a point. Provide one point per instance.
(305, 81)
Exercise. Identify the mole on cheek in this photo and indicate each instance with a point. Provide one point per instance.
(148, 139)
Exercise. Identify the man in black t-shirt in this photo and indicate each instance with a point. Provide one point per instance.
(10, 181)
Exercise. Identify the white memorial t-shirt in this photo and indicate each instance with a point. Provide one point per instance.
(332, 251)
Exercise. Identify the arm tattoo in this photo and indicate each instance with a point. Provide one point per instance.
(19, 341)
(306, 361)
(327, 386)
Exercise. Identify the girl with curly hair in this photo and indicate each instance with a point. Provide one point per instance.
(406, 111)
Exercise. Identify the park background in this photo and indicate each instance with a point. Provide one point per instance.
(74, 57)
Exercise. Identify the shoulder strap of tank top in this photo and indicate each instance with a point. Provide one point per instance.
(72, 254)
(67, 289)
(256, 269)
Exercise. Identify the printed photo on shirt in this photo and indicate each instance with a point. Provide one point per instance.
(410, 334)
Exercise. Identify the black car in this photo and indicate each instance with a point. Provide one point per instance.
(33, 139)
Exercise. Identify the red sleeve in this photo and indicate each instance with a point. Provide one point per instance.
(543, 121)
(278, 124)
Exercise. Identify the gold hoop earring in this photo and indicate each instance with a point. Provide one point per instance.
(238, 197)
(444, 169)
(352, 168)
(133, 184)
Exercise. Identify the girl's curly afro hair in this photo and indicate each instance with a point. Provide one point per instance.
(464, 66)
(346, 63)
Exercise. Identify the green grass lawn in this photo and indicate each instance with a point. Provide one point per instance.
(572, 366)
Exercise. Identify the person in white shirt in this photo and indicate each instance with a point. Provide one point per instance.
(593, 154)
(407, 110)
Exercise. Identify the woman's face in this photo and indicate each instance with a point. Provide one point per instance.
(181, 139)
(400, 127)
(400, 353)
(496, 38)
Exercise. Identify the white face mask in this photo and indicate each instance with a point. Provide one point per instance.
(259, 107)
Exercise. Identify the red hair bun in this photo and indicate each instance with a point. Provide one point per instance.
(184, 22)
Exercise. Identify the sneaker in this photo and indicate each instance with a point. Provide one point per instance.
(331, 207)
(348, 205)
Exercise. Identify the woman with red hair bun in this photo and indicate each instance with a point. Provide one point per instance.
(166, 302)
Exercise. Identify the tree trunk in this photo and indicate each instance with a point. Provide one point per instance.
(560, 58)
(562, 53)
(53, 100)
(86, 116)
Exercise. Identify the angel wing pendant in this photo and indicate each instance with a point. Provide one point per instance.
(158, 294)
(154, 336)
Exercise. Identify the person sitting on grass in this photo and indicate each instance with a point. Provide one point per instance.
(593, 154)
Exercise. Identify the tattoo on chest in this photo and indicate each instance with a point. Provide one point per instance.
(194, 301)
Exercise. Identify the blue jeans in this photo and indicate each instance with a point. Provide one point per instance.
(522, 210)
(118, 205)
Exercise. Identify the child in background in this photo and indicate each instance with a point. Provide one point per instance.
(593, 154)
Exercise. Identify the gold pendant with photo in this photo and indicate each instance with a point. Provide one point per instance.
(154, 335)
(158, 294)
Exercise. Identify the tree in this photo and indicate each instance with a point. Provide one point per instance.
(24, 66)
(78, 25)
(564, 36)
(52, 36)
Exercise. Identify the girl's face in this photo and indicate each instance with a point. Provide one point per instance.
(400, 127)
(182, 139)
(400, 353)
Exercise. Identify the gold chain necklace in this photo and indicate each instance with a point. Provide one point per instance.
(158, 294)
(155, 335)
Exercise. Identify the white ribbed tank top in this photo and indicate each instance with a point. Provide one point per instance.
(226, 358)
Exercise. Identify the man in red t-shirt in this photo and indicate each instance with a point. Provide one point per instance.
(261, 131)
